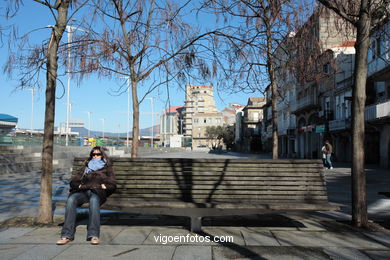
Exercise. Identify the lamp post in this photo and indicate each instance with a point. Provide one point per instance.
(32, 110)
(89, 122)
(151, 103)
(103, 120)
(119, 126)
(69, 29)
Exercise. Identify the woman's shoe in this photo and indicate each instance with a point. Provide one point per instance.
(63, 241)
(95, 241)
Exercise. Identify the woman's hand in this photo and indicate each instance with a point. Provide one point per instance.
(104, 187)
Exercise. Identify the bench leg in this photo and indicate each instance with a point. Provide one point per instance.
(196, 224)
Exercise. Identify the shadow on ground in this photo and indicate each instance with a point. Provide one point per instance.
(263, 220)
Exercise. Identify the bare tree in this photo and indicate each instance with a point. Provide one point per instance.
(143, 41)
(31, 63)
(255, 30)
(365, 16)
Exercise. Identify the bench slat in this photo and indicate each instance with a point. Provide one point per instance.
(194, 188)
(199, 187)
(216, 173)
(237, 200)
(216, 177)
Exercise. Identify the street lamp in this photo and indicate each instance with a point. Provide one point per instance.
(32, 110)
(69, 29)
(151, 103)
(89, 122)
(128, 109)
(119, 126)
(103, 120)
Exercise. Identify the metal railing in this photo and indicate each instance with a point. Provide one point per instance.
(38, 140)
(376, 111)
(340, 124)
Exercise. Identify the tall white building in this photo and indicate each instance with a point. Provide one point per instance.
(200, 111)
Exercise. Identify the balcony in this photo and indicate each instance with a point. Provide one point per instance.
(251, 120)
(341, 124)
(282, 131)
(308, 102)
(377, 111)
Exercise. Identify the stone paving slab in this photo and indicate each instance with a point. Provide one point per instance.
(11, 233)
(44, 235)
(277, 253)
(49, 235)
(192, 253)
(382, 237)
(175, 236)
(345, 253)
(326, 239)
(41, 252)
(132, 235)
(264, 238)
(233, 233)
(378, 255)
(11, 251)
(117, 252)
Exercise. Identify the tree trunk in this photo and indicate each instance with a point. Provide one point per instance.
(271, 74)
(45, 203)
(359, 202)
(134, 146)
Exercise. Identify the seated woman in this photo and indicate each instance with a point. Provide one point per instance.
(93, 183)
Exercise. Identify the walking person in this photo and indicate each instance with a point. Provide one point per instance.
(328, 154)
(93, 183)
(323, 149)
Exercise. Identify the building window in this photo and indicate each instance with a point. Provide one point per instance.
(326, 68)
(376, 48)
(255, 116)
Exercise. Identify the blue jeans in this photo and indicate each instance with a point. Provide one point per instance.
(328, 161)
(75, 200)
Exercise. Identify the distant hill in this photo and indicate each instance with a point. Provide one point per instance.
(83, 132)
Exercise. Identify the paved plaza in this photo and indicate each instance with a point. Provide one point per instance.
(317, 235)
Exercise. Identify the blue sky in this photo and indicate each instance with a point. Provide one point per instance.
(93, 94)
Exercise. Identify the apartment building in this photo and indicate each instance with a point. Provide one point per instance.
(248, 137)
(336, 99)
(171, 124)
(322, 105)
(200, 111)
(200, 122)
(305, 88)
(377, 111)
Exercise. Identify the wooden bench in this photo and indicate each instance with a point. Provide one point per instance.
(212, 187)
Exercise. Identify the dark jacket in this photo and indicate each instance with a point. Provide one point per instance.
(93, 181)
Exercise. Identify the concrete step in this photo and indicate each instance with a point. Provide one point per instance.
(59, 165)
(20, 148)
(14, 159)
(7, 168)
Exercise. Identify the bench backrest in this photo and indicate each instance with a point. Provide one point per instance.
(219, 180)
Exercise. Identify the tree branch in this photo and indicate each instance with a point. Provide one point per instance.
(338, 11)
